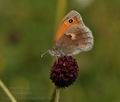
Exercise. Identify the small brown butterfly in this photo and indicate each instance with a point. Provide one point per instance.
(72, 36)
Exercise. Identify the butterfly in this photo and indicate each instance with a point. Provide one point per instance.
(72, 36)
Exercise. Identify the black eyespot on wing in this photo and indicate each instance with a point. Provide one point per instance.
(70, 20)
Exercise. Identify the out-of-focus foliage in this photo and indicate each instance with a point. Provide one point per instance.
(27, 29)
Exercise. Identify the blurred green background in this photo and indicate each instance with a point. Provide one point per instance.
(27, 28)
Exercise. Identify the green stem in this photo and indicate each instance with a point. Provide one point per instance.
(8, 93)
(56, 95)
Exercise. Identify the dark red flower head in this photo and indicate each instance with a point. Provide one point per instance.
(64, 71)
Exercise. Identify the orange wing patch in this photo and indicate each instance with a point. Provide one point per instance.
(60, 31)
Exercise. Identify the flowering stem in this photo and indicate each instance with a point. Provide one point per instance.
(8, 93)
(56, 95)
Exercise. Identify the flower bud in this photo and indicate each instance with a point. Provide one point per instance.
(64, 71)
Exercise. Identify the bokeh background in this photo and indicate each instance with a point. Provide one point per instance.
(27, 28)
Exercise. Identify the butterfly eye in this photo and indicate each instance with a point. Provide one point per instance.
(70, 20)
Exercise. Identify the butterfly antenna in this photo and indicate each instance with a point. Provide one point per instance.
(43, 54)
